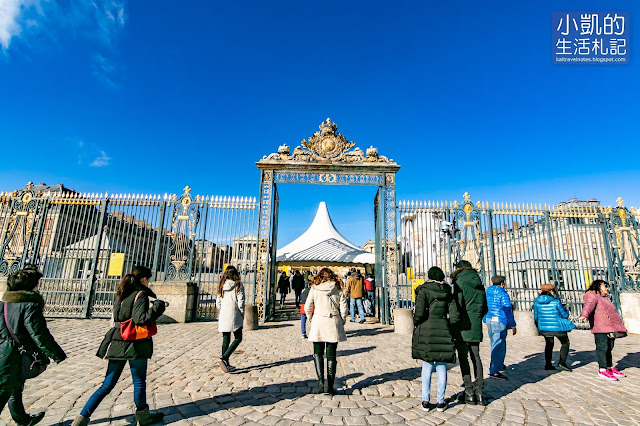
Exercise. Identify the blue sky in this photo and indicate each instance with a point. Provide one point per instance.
(149, 97)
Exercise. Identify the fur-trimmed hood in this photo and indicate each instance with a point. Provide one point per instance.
(457, 271)
(23, 296)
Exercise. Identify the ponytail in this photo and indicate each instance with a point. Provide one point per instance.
(126, 285)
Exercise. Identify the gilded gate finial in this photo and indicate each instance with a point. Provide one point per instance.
(620, 202)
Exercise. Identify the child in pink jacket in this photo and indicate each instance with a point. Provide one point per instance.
(605, 324)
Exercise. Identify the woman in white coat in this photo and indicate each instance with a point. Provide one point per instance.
(326, 307)
(230, 304)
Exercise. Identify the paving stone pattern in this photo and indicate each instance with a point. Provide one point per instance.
(275, 380)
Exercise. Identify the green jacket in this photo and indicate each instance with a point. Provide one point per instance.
(470, 293)
(435, 314)
(24, 315)
(112, 346)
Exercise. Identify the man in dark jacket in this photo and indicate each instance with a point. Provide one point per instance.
(470, 293)
(298, 286)
(26, 320)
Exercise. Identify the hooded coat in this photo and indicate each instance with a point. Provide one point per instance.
(327, 322)
(436, 312)
(113, 346)
(230, 307)
(470, 294)
(601, 313)
(550, 315)
(24, 315)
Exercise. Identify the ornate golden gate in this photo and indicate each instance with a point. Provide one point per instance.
(327, 158)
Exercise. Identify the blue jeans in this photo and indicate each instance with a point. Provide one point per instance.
(353, 303)
(114, 369)
(441, 372)
(303, 323)
(372, 298)
(498, 337)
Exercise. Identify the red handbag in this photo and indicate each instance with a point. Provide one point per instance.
(130, 331)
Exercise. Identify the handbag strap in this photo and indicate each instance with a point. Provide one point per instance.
(134, 302)
(13, 336)
(335, 305)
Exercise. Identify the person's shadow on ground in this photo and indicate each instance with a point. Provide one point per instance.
(305, 358)
(253, 397)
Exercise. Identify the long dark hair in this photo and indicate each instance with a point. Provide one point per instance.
(132, 280)
(595, 285)
(231, 273)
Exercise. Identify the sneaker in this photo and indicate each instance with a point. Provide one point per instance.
(441, 406)
(224, 365)
(362, 321)
(304, 336)
(565, 367)
(499, 375)
(606, 374)
(230, 367)
(352, 320)
(31, 419)
(617, 373)
(426, 406)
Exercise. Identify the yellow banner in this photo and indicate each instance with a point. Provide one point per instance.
(415, 284)
(409, 273)
(116, 265)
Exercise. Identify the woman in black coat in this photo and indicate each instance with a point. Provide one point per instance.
(132, 302)
(24, 316)
(436, 311)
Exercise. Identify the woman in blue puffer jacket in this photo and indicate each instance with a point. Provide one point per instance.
(550, 316)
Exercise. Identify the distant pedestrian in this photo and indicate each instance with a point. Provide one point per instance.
(21, 311)
(283, 287)
(303, 315)
(326, 307)
(230, 304)
(132, 302)
(370, 288)
(551, 318)
(298, 286)
(470, 294)
(435, 313)
(606, 326)
(355, 290)
(499, 319)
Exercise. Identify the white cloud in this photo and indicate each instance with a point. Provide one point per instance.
(102, 160)
(11, 16)
(98, 21)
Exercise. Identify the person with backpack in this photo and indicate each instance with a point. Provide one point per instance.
(436, 312)
(132, 303)
(23, 326)
(370, 288)
(326, 308)
(551, 318)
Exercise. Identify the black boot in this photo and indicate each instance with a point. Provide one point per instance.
(467, 398)
(331, 375)
(319, 363)
(479, 398)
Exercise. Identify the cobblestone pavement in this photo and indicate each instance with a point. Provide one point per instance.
(276, 376)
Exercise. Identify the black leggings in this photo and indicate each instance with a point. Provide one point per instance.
(604, 347)
(16, 408)
(548, 348)
(471, 350)
(227, 349)
(319, 349)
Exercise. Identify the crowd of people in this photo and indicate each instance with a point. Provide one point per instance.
(448, 327)
(448, 319)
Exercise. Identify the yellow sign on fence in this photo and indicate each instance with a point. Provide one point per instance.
(415, 284)
(116, 265)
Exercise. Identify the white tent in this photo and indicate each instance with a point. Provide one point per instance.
(323, 244)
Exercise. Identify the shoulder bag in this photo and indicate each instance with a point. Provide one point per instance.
(130, 331)
(33, 361)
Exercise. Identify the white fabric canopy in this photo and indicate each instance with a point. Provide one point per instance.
(323, 243)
